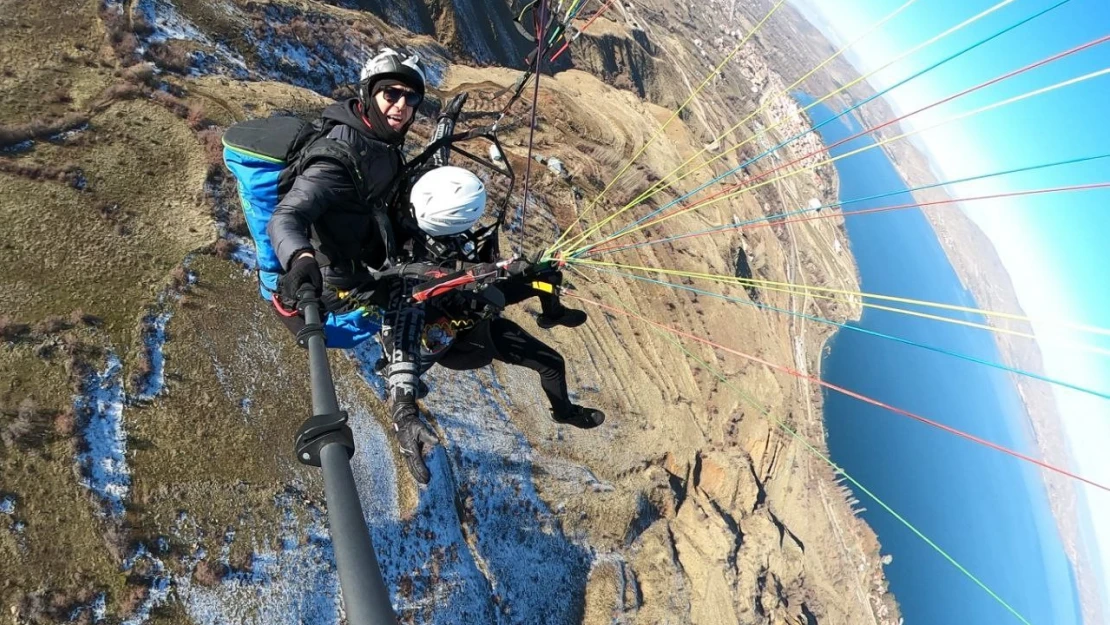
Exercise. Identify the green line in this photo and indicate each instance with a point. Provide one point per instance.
(235, 148)
(758, 406)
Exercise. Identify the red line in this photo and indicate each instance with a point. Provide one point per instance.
(442, 288)
(852, 394)
(862, 133)
(281, 310)
(846, 214)
(583, 29)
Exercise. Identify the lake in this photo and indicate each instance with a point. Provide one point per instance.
(989, 511)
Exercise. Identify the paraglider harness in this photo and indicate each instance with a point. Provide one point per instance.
(437, 260)
(476, 252)
(477, 245)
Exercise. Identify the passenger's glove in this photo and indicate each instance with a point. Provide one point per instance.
(304, 270)
(413, 438)
(532, 269)
(519, 269)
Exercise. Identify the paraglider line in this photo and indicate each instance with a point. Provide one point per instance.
(838, 470)
(939, 350)
(849, 393)
(767, 102)
(808, 290)
(566, 45)
(738, 189)
(659, 131)
(777, 220)
(666, 180)
(532, 125)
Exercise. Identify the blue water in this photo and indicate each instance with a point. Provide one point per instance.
(988, 510)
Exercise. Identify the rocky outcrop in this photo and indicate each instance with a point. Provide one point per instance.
(624, 61)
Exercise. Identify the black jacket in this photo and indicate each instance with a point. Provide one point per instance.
(326, 210)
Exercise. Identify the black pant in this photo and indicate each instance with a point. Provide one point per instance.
(503, 340)
(518, 290)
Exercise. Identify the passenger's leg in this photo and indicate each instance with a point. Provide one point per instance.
(516, 347)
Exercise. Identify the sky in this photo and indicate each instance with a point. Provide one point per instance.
(1054, 246)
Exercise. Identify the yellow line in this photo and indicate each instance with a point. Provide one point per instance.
(662, 184)
(970, 324)
(659, 186)
(959, 117)
(660, 130)
(768, 284)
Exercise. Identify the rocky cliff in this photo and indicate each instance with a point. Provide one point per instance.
(150, 399)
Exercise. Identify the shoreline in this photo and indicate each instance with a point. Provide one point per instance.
(982, 274)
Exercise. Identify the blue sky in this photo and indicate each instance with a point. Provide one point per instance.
(1055, 246)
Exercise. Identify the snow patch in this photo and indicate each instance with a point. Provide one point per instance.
(435, 64)
(245, 253)
(316, 66)
(373, 463)
(159, 590)
(474, 41)
(16, 148)
(62, 137)
(297, 584)
(154, 339)
(104, 464)
(7, 505)
(537, 574)
(310, 64)
(402, 14)
(98, 609)
(481, 547)
(168, 24)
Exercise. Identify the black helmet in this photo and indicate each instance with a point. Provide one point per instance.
(389, 63)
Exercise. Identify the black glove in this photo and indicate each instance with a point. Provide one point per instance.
(519, 269)
(531, 270)
(454, 106)
(304, 270)
(413, 438)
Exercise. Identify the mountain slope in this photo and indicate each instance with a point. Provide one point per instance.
(146, 350)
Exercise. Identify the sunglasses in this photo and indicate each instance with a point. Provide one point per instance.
(392, 95)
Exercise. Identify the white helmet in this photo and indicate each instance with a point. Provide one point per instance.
(448, 200)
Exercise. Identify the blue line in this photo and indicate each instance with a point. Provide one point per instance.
(845, 112)
(939, 350)
(835, 204)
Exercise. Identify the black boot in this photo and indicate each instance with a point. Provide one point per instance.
(580, 417)
(567, 317)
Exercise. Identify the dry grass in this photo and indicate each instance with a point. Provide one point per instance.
(63, 554)
(26, 427)
(39, 128)
(209, 573)
(253, 461)
(107, 266)
(84, 266)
